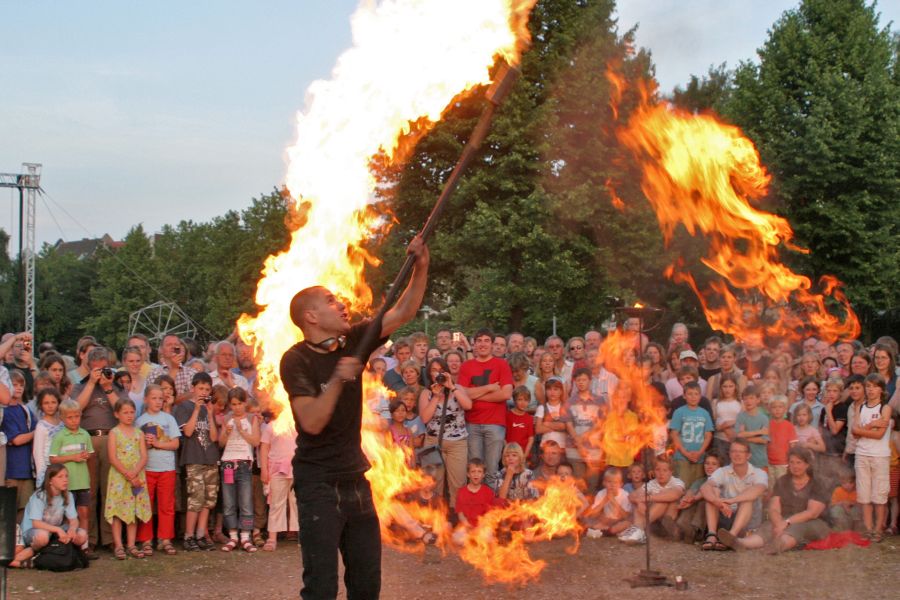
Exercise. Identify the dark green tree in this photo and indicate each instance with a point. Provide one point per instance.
(10, 303)
(823, 106)
(708, 92)
(62, 296)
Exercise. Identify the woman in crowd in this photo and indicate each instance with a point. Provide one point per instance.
(442, 408)
(546, 369)
(56, 367)
(656, 354)
(885, 364)
(518, 364)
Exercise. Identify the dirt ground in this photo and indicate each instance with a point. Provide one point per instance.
(597, 571)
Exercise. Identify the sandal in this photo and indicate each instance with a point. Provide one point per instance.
(119, 553)
(248, 546)
(876, 537)
(258, 540)
(147, 548)
(134, 552)
(231, 545)
(166, 547)
(710, 543)
(270, 546)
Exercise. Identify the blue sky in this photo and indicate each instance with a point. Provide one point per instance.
(160, 111)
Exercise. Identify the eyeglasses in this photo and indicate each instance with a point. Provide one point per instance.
(576, 347)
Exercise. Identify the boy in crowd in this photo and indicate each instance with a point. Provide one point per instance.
(659, 503)
(781, 435)
(692, 431)
(199, 457)
(72, 447)
(519, 423)
(18, 427)
(843, 510)
(752, 426)
(472, 500)
(611, 511)
(582, 416)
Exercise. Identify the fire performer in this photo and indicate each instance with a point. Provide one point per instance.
(320, 375)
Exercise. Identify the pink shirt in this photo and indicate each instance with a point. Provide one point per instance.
(281, 450)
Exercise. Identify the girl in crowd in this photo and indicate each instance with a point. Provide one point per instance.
(809, 396)
(398, 432)
(276, 451)
(514, 480)
(240, 437)
(168, 387)
(56, 367)
(444, 404)
(726, 409)
(51, 511)
(808, 436)
(127, 500)
(546, 369)
(48, 401)
(655, 353)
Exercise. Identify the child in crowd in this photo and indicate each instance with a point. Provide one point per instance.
(127, 500)
(623, 419)
(636, 478)
(691, 519)
(51, 511)
(472, 500)
(844, 510)
(399, 433)
(276, 451)
(873, 456)
(611, 511)
(161, 435)
(18, 426)
(808, 436)
(549, 415)
(260, 515)
(781, 436)
(71, 447)
(410, 396)
(48, 401)
(566, 474)
(691, 429)
(753, 427)
(199, 457)
(168, 387)
(240, 437)
(519, 423)
(514, 480)
(726, 410)
(581, 417)
(658, 503)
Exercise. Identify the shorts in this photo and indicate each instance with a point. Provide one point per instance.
(82, 497)
(804, 533)
(873, 479)
(202, 486)
(28, 536)
(895, 482)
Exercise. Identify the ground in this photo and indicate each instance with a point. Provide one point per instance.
(597, 572)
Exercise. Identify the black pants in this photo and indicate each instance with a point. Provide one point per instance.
(339, 517)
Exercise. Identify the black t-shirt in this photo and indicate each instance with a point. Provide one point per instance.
(794, 501)
(334, 454)
(835, 444)
(198, 448)
(707, 373)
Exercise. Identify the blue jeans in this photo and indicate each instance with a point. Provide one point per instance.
(237, 497)
(486, 442)
(341, 517)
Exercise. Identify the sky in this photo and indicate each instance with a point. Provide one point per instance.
(157, 112)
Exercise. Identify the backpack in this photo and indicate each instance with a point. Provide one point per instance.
(60, 557)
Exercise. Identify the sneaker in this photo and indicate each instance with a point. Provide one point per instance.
(204, 543)
(190, 545)
(633, 535)
(728, 539)
(594, 533)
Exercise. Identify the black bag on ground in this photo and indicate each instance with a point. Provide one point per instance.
(60, 557)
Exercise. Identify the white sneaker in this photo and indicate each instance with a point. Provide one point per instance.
(633, 535)
(594, 533)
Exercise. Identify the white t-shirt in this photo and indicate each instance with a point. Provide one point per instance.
(867, 446)
(557, 436)
(726, 410)
(621, 499)
(237, 448)
(653, 486)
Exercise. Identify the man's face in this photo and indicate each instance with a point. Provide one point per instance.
(556, 349)
(727, 360)
(172, 349)
(141, 345)
(809, 344)
(516, 343)
(844, 353)
(330, 314)
(592, 340)
(551, 456)
(498, 348)
(483, 346)
(822, 350)
(244, 355)
(443, 341)
(711, 352)
(224, 357)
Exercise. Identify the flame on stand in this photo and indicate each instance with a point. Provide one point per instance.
(705, 175)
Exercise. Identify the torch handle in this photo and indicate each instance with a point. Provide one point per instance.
(505, 78)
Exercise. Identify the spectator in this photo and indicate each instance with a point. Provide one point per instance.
(885, 364)
(727, 358)
(443, 340)
(56, 368)
(873, 456)
(224, 373)
(18, 428)
(23, 362)
(782, 436)
(489, 383)
(752, 426)
(498, 346)
(691, 519)
(691, 431)
(519, 423)
(276, 451)
(419, 344)
(393, 379)
(515, 342)
(561, 366)
(72, 447)
(514, 481)
(844, 510)
(592, 340)
(473, 500)
(581, 416)
(549, 417)
(726, 409)
(238, 440)
(246, 367)
(545, 369)
(454, 360)
(551, 457)
(81, 370)
(133, 360)
(809, 395)
(518, 364)
(172, 356)
(711, 357)
(142, 343)
(808, 436)
(48, 401)
(611, 512)
(655, 502)
(51, 511)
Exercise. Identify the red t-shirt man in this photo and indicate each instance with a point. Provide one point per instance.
(477, 373)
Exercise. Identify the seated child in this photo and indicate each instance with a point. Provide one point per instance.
(611, 511)
(691, 519)
(636, 478)
(566, 474)
(658, 504)
(51, 511)
(472, 500)
(844, 511)
(404, 514)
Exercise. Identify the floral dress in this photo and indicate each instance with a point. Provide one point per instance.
(122, 500)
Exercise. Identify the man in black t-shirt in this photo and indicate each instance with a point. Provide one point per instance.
(320, 375)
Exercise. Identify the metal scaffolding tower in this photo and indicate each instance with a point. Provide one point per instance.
(28, 183)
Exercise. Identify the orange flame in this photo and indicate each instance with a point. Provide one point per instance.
(703, 174)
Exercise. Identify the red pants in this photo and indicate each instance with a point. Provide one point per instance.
(161, 487)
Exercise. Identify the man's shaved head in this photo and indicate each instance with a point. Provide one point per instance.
(304, 300)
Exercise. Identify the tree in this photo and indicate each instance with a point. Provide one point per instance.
(10, 295)
(62, 282)
(823, 106)
(710, 92)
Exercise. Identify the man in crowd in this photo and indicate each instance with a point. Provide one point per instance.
(443, 340)
(710, 365)
(498, 347)
(733, 495)
(224, 373)
(171, 363)
(515, 342)
(246, 366)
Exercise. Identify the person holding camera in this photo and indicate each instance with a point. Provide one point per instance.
(19, 345)
(171, 363)
(97, 397)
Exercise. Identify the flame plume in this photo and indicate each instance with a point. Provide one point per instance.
(706, 176)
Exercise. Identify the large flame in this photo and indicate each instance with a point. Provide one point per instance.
(705, 175)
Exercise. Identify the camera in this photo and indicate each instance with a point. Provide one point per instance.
(440, 378)
(107, 373)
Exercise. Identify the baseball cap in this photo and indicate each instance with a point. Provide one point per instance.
(688, 354)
